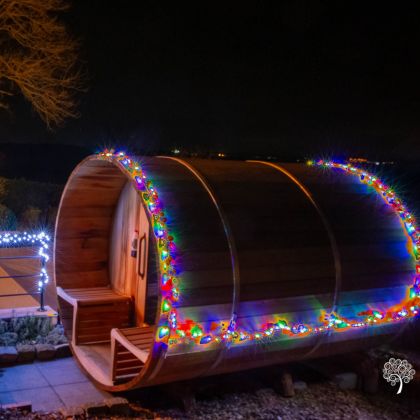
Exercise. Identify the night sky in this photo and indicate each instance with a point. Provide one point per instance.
(286, 79)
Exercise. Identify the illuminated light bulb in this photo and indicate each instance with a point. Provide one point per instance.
(180, 333)
(173, 320)
(299, 329)
(163, 331)
(166, 306)
(403, 313)
(175, 293)
(410, 228)
(235, 335)
(206, 339)
(242, 336)
(342, 324)
(281, 325)
(377, 314)
(166, 285)
(196, 331)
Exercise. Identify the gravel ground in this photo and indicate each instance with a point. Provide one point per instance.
(319, 401)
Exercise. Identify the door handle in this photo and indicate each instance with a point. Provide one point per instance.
(141, 260)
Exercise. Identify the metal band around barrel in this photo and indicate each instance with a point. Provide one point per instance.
(231, 244)
(328, 228)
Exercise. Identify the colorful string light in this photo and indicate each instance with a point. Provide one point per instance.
(165, 242)
(173, 331)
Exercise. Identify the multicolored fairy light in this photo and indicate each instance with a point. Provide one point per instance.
(166, 248)
(173, 331)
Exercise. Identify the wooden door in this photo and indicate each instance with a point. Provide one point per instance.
(122, 262)
(142, 262)
(129, 250)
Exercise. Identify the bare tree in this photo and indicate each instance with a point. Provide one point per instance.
(38, 58)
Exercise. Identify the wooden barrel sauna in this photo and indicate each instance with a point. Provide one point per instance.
(168, 269)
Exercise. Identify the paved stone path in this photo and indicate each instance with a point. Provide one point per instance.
(48, 385)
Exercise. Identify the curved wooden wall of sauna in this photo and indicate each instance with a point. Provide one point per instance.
(286, 239)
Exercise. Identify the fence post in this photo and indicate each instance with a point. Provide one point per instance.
(42, 284)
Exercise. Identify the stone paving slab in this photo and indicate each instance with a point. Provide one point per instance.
(21, 377)
(61, 371)
(48, 385)
(75, 395)
(42, 399)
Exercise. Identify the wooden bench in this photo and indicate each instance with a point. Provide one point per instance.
(94, 312)
(130, 348)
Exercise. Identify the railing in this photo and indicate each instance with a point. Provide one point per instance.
(28, 240)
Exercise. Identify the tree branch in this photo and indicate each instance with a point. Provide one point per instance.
(39, 58)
